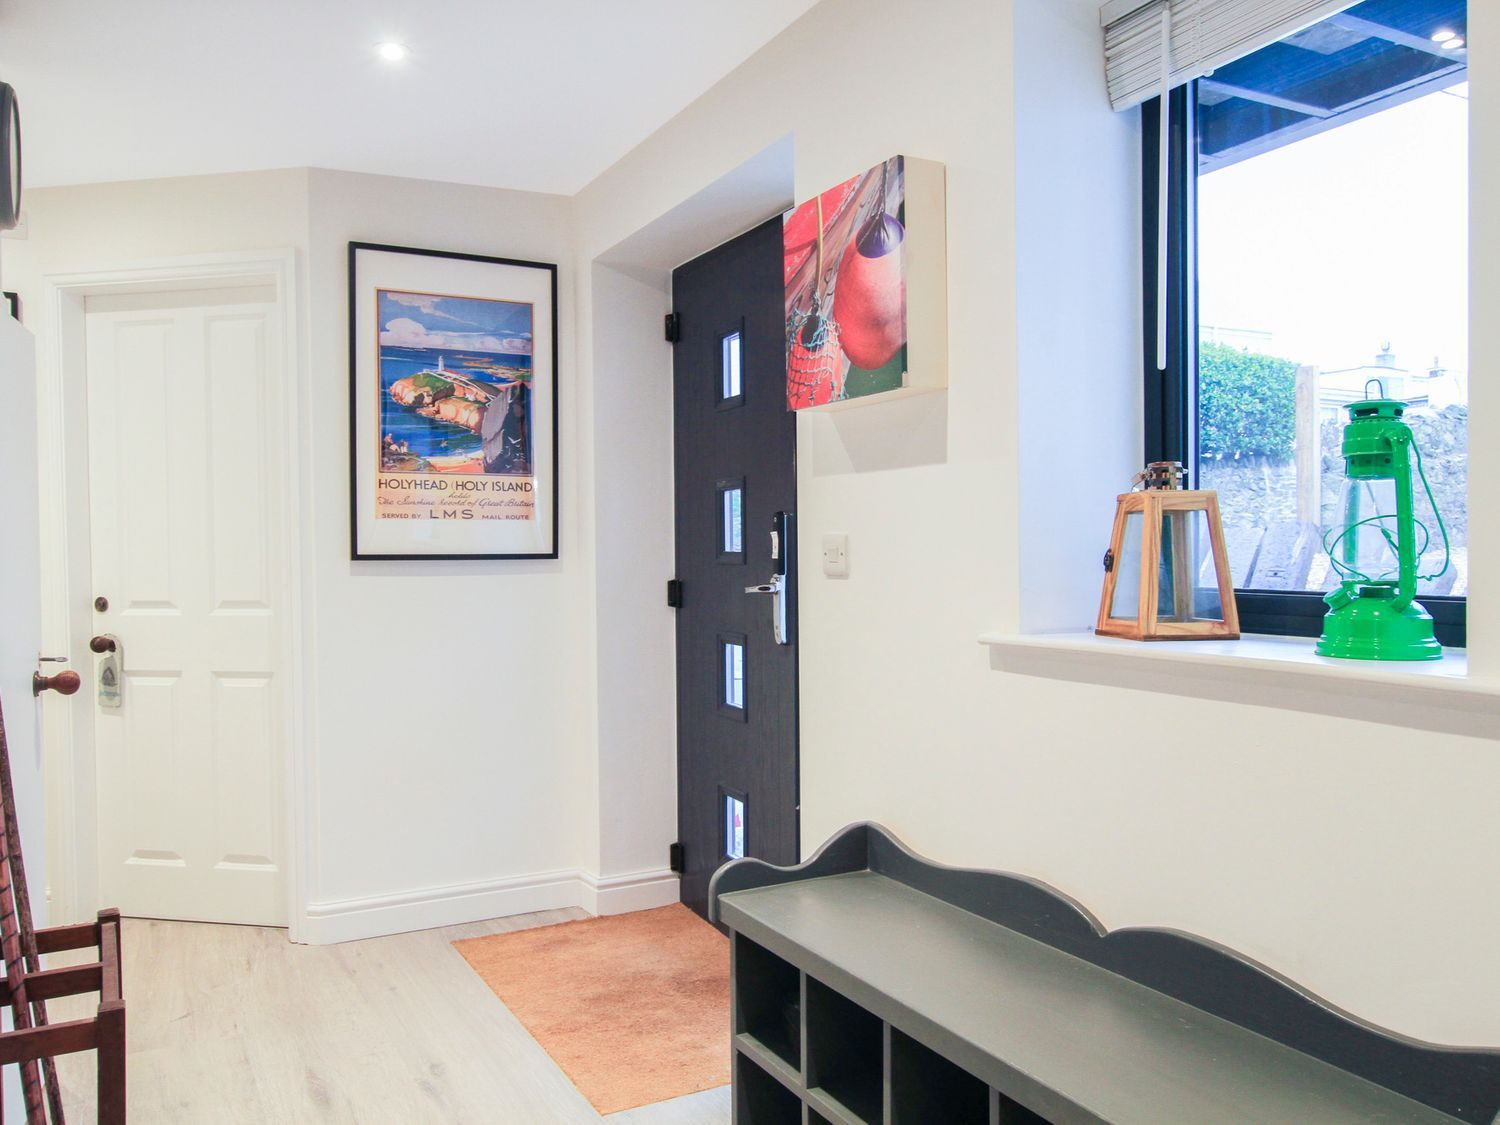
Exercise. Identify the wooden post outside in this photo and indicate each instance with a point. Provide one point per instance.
(1309, 451)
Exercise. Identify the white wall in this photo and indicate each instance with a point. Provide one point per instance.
(423, 805)
(636, 720)
(1078, 308)
(1343, 853)
(444, 732)
(1484, 326)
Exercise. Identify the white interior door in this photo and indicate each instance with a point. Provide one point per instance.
(184, 530)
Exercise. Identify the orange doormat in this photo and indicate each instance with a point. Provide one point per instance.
(633, 1007)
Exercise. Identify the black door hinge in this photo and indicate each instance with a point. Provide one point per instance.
(674, 593)
(674, 858)
(672, 328)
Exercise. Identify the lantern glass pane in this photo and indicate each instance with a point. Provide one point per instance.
(1126, 603)
(1364, 545)
(1187, 582)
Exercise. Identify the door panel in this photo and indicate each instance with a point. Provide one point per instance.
(182, 543)
(737, 687)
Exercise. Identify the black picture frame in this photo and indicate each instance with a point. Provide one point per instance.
(383, 538)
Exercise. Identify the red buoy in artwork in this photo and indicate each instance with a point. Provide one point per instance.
(869, 297)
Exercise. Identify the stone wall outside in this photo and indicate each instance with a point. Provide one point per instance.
(1257, 493)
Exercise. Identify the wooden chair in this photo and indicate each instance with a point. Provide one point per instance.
(27, 986)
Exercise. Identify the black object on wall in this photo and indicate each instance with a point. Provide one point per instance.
(10, 158)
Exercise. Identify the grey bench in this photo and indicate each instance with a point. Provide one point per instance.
(870, 985)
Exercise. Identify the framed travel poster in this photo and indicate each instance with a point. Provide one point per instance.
(453, 405)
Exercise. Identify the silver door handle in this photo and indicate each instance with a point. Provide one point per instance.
(777, 589)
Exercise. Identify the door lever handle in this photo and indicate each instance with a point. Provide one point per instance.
(777, 589)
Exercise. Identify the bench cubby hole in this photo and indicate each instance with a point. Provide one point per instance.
(927, 1087)
(1014, 1113)
(844, 1051)
(768, 1001)
(761, 1100)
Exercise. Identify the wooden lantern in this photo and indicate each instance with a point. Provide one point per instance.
(1166, 573)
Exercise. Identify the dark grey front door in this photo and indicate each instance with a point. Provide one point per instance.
(736, 496)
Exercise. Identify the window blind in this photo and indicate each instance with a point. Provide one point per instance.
(1203, 35)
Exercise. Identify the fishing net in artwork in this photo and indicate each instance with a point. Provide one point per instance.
(814, 363)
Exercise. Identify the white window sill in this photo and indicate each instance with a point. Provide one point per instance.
(1265, 671)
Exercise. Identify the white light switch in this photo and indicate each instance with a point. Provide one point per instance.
(836, 556)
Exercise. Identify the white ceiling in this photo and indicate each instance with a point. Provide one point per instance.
(542, 95)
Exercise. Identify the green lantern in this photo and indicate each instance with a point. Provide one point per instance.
(1373, 615)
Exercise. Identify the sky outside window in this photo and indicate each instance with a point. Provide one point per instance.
(1347, 240)
(1343, 254)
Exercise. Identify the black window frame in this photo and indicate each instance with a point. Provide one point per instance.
(1171, 396)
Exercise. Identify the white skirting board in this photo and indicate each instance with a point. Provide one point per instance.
(623, 894)
(380, 915)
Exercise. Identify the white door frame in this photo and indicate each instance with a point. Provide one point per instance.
(72, 798)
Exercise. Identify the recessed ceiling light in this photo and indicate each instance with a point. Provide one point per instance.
(392, 51)
(1452, 44)
(1442, 36)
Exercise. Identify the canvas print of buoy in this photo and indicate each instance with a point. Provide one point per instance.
(845, 274)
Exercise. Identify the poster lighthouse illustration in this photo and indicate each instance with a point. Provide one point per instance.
(864, 265)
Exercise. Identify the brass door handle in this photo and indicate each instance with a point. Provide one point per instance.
(64, 683)
(103, 643)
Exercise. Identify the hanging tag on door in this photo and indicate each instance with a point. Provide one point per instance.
(110, 671)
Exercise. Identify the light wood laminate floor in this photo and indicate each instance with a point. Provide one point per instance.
(231, 1024)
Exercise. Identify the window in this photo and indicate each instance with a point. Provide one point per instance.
(731, 676)
(731, 521)
(734, 824)
(731, 389)
(734, 675)
(1318, 241)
